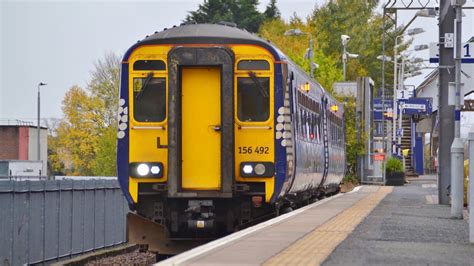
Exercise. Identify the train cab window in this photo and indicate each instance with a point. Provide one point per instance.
(149, 65)
(149, 96)
(253, 65)
(253, 99)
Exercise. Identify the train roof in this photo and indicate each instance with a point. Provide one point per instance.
(207, 33)
(202, 31)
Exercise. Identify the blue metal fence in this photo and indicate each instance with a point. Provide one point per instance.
(46, 220)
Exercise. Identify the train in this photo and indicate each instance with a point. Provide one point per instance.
(219, 129)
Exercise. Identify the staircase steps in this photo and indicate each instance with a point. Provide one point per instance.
(406, 144)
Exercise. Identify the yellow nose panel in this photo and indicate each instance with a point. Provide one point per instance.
(201, 121)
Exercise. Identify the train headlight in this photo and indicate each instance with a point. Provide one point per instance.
(247, 169)
(143, 169)
(257, 169)
(153, 170)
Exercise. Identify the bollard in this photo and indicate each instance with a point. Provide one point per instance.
(457, 178)
(471, 185)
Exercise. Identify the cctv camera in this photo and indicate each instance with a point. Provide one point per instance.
(345, 39)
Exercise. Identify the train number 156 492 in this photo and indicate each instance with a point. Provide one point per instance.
(250, 150)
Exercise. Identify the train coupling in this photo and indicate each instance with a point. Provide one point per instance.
(200, 214)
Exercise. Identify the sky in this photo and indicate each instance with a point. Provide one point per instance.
(57, 42)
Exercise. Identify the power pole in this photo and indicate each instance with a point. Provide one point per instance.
(457, 148)
(445, 112)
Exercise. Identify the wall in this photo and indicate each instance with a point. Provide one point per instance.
(23, 139)
(33, 147)
(25, 168)
(46, 220)
(8, 143)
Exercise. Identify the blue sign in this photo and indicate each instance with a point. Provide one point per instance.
(467, 50)
(417, 106)
(399, 132)
(381, 107)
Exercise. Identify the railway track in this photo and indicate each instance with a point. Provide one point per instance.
(129, 254)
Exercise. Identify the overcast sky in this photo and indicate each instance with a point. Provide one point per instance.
(57, 42)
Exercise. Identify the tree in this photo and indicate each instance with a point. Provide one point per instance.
(79, 131)
(272, 12)
(55, 164)
(242, 12)
(85, 139)
(104, 86)
(212, 11)
(106, 150)
(246, 15)
(326, 24)
(335, 18)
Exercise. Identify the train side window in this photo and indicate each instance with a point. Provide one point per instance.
(149, 99)
(317, 132)
(253, 65)
(298, 121)
(303, 121)
(306, 133)
(253, 99)
(339, 121)
(308, 125)
(149, 65)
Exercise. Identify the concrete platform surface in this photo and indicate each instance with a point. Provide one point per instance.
(408, 228)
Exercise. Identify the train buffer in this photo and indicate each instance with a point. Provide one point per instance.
(372, 225)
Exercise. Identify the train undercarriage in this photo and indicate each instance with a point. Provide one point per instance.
(173, 225)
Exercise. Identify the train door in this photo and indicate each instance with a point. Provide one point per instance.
(201, 125)
(294, 110)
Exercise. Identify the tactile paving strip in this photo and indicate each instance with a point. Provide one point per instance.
(316, 246)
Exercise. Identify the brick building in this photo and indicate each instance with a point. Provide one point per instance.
(18, 141)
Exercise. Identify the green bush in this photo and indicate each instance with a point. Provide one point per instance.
(394, 165)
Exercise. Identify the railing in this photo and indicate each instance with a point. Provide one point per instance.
(15, 122)
(44, 221)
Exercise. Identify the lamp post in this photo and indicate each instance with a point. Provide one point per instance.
(396, 85)
(309, 51)
(427, 12)
(344, 40)
(38, 122)
(413, 72)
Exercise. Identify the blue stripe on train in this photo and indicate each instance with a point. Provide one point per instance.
(280, 151)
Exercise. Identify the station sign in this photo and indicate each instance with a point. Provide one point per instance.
(406, 93)
(399, 132)
(467, 53)
(379, 156)
(417, 106)
(382, 107)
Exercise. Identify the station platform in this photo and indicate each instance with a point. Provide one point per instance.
(371, 225)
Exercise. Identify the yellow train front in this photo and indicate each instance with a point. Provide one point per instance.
(205, 134)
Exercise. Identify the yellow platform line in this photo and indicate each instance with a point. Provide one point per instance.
(316, 246)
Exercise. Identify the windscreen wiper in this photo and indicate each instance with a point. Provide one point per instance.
(144, 86)
(255, 80)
